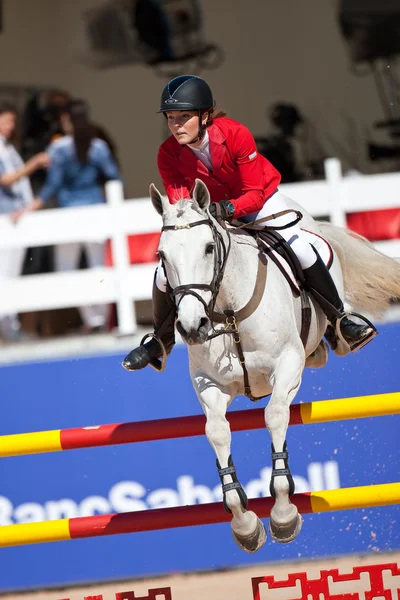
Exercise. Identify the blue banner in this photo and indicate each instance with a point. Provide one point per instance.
(91, 391)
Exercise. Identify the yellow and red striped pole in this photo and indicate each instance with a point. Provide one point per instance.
(179, 427)
(186, 516)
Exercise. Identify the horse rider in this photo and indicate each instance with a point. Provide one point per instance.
(205, 144)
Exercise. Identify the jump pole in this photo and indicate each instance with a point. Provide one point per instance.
(179, 427)
(186, 516)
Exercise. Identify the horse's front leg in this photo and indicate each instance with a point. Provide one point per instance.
(247, 529)
(285, 521)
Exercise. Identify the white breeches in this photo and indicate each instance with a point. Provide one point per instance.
(293, 235)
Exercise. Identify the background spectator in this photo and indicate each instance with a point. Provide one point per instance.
(40, 127)
(290, 144)
(80, 163)
(15, 194)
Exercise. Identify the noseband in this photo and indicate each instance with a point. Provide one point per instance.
(221, 254)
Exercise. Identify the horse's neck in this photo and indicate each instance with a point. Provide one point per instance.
(240, 274)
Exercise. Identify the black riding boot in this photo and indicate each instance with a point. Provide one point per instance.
(319, 280)
(151, 352)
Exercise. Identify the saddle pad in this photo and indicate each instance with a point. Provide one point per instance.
(323, 247)
(320, 244)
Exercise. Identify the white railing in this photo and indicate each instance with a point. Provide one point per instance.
(333, 198)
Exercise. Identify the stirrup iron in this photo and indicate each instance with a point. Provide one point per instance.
(360, 344)
(158, 364)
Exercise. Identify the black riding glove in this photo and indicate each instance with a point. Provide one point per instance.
(227, 209)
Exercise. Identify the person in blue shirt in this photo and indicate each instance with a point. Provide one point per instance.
(79, 164)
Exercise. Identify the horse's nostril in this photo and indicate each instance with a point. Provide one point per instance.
(203, 322)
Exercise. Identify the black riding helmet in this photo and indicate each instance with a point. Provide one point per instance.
(187, 92)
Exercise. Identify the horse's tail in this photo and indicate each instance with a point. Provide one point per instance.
(371, 279)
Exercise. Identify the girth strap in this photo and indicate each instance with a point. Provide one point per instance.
(231, 322)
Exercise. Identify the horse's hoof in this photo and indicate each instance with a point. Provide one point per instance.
(286, 533)
(253, 542)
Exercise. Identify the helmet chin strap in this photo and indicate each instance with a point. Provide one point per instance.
(201, 131)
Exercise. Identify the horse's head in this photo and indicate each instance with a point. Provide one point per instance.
(190, 249)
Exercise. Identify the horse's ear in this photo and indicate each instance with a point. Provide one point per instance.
(157, 199)
(201, 195)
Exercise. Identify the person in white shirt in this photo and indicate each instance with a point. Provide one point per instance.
(15, 194)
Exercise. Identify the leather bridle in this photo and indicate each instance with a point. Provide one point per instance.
(221, 253)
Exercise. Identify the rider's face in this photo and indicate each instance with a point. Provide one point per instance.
(184, 125)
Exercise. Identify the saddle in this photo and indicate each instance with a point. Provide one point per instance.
(271, 244)
(281, 253)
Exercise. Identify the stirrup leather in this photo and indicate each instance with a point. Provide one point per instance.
(156, 363)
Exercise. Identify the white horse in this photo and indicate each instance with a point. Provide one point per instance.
(200, 272)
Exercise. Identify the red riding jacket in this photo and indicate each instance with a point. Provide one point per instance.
(239, 173)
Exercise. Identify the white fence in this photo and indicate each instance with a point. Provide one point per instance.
(333, 198)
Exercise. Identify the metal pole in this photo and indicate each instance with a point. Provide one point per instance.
(179, 427)
(186, 516)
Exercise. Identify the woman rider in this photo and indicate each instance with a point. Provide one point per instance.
(222, 153)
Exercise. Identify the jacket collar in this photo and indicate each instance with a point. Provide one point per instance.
(217, 151)
(217, 146)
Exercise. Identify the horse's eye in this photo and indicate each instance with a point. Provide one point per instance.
(210, 248)
(162, 255)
